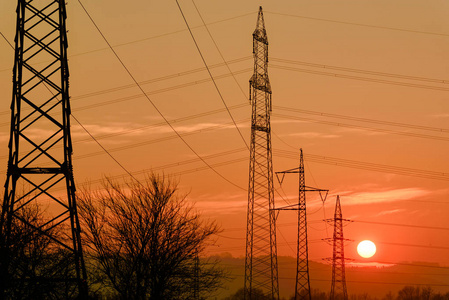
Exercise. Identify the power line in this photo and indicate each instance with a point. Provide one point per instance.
(219, 77)
(327, 160)
(366, 165)
(283, 116)
(152, 103)
(372, 129)
(317, 159)
(181, 163)
(361, 71)
(101, 146)
(358, 24)
(208, 71)
(122, 99)
(175, 75)
(218, 49)
(105, 150)
(344, 76)
(145, 39)
(413, 265)
(402, 225)
(125, 132)
(152, 141)
(358, 119)
(162, 139)
(87, 131)
(414, 245)
(163, 90)
(1, 33)
(178, 120)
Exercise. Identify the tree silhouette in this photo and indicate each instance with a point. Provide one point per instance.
(144, 239)
(38, 267)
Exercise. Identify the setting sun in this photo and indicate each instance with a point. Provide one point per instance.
(366, 249)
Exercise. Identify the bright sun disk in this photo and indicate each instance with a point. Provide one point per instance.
(366, 249)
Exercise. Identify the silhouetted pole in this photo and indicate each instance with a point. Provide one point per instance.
(41, 163)
(302, 285)
(261, 269)
(338, 286)
(196, 277)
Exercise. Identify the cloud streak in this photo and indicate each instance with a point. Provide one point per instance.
(394, 195)
(312, 135)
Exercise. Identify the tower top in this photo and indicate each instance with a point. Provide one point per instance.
(260, 34)
(338, 208)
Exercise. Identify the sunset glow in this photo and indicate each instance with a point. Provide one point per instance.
(163, 87)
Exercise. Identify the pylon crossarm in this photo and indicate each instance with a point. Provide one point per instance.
(288, 207)
(282, 179)
(331, 221)
(294, 170)
(314, 189)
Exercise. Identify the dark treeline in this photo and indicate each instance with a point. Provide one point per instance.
(141, 241)
(406, 293)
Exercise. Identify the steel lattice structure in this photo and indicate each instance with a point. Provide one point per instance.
(338, 287)
(196, 277)
(261, 269)
(302, 285)
(40, 147)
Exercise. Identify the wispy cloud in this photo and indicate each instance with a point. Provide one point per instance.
(392, 195)
(222, 204)
(389, 212)
(368, 265)
(136, 130)
(98, 130)
(441, 116)
(315, 135)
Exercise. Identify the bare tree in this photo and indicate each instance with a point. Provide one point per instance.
(144, 240)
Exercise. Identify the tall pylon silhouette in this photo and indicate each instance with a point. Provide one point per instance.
(261, 268)
(302, 285)
(40, 170)
(338, 286)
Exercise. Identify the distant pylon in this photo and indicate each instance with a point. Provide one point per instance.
(40, 125)
(196, 277)
(338, 286)
(261, 268)
(302, 285)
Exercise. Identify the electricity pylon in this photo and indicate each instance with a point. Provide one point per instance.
(302, 285)
(338, 287)
(196, 277)
(40, 147)
(261, 268)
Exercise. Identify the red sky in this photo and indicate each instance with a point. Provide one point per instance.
(357, 84)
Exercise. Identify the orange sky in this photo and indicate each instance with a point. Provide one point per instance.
(322, 58)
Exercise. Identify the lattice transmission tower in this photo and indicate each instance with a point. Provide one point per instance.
(261, 268)
(302, 285)
(196, 277)
(40, 171)
(338, 286)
